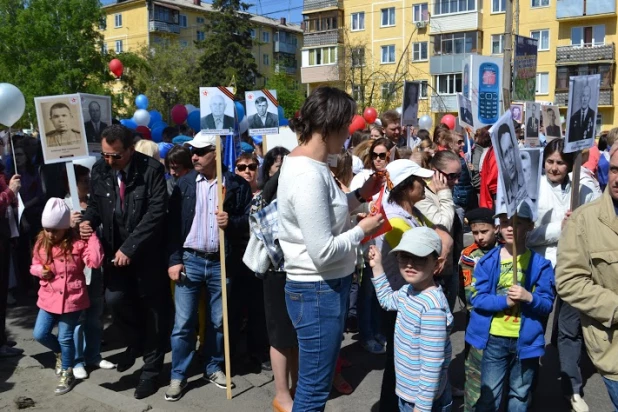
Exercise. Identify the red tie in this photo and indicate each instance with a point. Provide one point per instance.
(122, 187)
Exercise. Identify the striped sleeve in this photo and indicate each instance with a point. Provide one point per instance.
(433, 336)
(387, 298)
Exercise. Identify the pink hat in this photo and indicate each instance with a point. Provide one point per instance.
(56, 214)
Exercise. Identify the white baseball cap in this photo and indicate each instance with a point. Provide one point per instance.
(419, 241)
(202, 139)
(399, 170)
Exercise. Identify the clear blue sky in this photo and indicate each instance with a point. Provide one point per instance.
(290, 9)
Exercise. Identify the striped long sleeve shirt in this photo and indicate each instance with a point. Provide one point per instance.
(422, 344)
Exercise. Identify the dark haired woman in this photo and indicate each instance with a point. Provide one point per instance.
(271, 164)
(318, 242)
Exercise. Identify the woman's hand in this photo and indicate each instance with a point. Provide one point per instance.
(372, 186)
(371, 224)
(375, 260)
(438, 182)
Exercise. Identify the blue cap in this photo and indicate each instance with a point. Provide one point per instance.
(246, 147)
(181, 139)
(257, 139)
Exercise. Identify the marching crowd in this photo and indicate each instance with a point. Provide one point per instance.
(308, 258)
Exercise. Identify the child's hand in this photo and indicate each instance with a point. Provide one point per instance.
(375, 260)
(46, 275)
(510, 302)
(520, 294)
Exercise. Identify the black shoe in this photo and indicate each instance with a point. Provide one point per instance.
(145, 388)
(266, 366)
(126, 363)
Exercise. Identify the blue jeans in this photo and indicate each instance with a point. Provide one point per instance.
(317, 311)
(89, 330)
(186, 298)
(499, 360)
(368, 308)
(443, 404)
(63, 343)
(612, 389)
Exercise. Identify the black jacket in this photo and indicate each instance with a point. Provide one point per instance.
(145, 209)
(237, 203)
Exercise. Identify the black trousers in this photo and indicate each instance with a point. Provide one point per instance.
(389, 401)
(142, 316)
(5, 258)
(570, 344)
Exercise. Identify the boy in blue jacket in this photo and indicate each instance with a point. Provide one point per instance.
(507, 320)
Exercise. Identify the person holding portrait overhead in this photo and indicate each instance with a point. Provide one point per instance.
(581, 123)
(217, 119)
(509, 168)
(532, 125)
(263, 118)
(94, 126)
(63, 135)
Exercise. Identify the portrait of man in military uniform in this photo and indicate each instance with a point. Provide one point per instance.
(63, 134)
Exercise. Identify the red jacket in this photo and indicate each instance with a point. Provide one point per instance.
(489, 180)
(7, 197)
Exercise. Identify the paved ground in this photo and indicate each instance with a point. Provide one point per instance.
(109, 391)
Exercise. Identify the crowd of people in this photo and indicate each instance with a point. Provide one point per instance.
(336, 253)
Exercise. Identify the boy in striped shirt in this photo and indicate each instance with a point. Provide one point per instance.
(422, 345)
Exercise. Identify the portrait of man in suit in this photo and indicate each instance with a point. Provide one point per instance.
(552, 129)
(94, 126)
(532, 124)
(217, 119)
(465, 111)
(64, 133)
(581, 123)
(263, 118)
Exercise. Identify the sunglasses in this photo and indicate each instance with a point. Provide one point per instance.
(241, 168)
(450, 176)
(112, 155)
(201, 151)
(375, 155)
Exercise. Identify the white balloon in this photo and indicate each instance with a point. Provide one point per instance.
(12, 104)
(190, 108)
(141, 117)
(399, 110)
(378, 122)
(425, 122)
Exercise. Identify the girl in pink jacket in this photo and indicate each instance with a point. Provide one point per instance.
(58, 258)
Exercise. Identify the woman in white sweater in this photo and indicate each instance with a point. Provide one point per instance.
(318, 241)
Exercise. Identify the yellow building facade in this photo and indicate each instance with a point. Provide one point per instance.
(131, 25)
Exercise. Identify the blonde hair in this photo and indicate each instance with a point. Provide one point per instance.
(148, 147)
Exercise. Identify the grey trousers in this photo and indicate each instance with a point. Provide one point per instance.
(570, 343)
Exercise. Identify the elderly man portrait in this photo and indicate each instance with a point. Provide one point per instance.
(217, 119)
(94, 126)
(581, 123)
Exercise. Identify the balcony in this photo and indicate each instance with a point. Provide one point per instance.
(447, 63)
(576, 9)
(458, 22)
(322, 38)
(605, 98)
(444, 103)
(578, 54)
(321, 74)
(281, 47)
(164, 27)
(313, 5)
(280, 68)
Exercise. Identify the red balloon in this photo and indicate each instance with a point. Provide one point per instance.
(449, 120)
(116, 67)
(144, 131)
(179, 114)
(358, 123)
(370, 114)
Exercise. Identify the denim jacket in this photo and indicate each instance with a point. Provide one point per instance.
(539, 279)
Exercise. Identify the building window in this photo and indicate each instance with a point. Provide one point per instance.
(118, 20)
(388, 54)
(265, 37)
(540, 3)
(104, 48)
(448, 83)
(542, 83)
(322, 56)
(184, 43)
(420, 12)
(388, 17)
(388, 89)
(358, 21)
(266, 60)
(199, 20)
(543, 37)
(498, 6)
(118, 46)
(358, 92)
(358, 57)
(182, 21)
(103, 23)
(452, 6)
(455, 43)
(419, 51)
(497, 43)
(252, 32)
(424, 87)
(200, 35)
(588, 36)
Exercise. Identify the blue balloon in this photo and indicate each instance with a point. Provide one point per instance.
(240, 111)
(282, 120)
(141, 102)
(157, 134)
(130, 123)
(158, 124)
(155, 117)
(193, 120)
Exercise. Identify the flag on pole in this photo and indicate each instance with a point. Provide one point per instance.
(230, 153)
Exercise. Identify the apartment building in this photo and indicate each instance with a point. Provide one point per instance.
(133, 24)
(379, 44)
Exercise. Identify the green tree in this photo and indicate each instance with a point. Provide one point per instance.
(289, 94)
(227, 58)
(52, 47)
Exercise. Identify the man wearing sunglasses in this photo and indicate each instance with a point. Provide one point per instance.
(194, 223)
(128, 199)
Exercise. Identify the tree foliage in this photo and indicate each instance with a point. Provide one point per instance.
(289, 95)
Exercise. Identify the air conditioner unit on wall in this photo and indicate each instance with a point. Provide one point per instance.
(421, 24)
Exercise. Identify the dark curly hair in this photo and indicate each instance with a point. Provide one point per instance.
(399, 193)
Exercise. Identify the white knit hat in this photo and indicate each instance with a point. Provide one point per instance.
(56, 214)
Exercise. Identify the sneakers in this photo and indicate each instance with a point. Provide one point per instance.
(381, 339)
(218, 378)
(175, 390)
(578, 404)
(79, 372)
(66, 382)
(104, 364)
(7, 351)
(373, 346)
(58, 364)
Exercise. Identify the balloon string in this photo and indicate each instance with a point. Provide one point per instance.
(10, 140)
